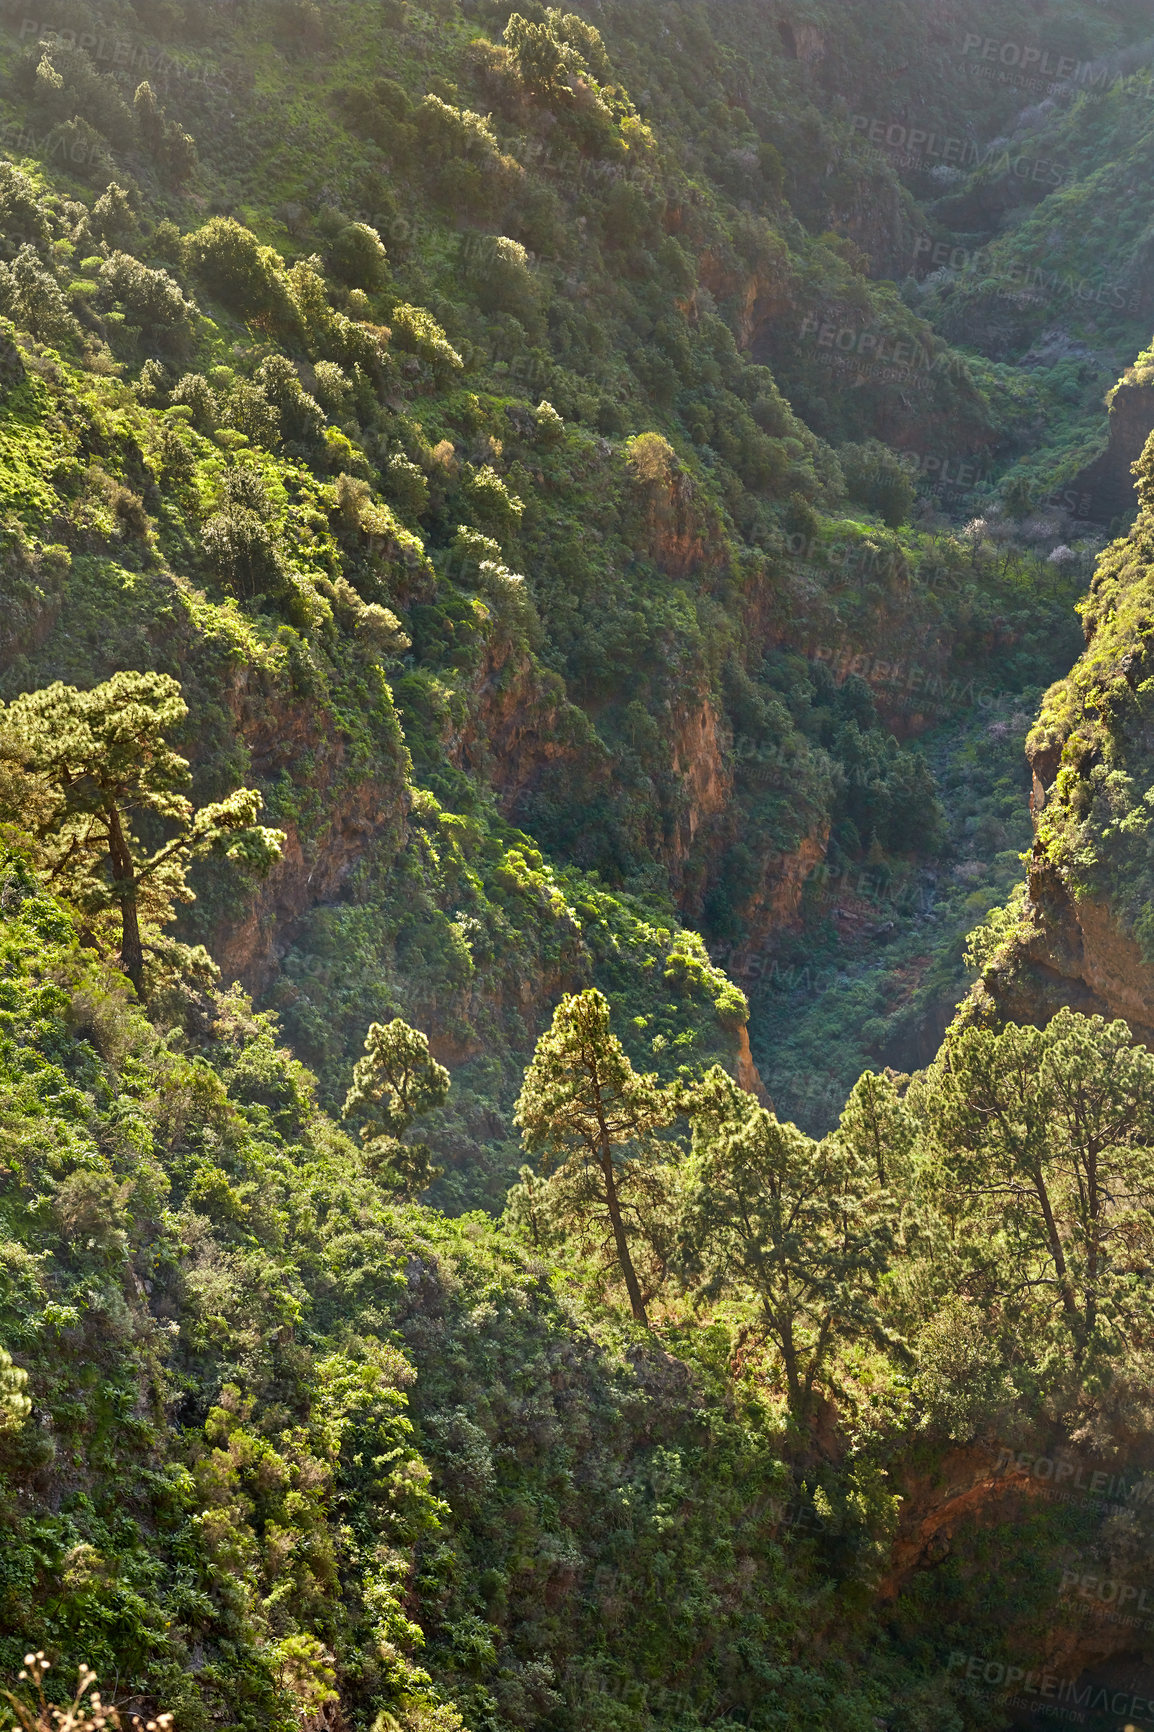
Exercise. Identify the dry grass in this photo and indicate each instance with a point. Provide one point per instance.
(87, 1712)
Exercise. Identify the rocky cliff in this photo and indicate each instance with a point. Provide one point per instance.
(1082, 933)
(1106, 487)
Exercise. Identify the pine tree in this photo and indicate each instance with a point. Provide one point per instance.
(1043, 1144)
(582, 1106)
(87, 766)
(800, 1225)
(876, 1125)
(396, 1082)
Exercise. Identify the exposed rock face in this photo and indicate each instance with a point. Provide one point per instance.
(985, 1487)
(519, 722)
(1106, 488)
(700, 766)
(681, 538)
(359, 812)
(747, 1074)
(777, 900)
(1071, 952)
(803, 42)
(1070, 949)
(755, 300)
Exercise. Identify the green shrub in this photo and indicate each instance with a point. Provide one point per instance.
(406, 486)
(196, 394)
(22, 217)
(68, 87)
(497, 270)
(248, 410)
(151, 298)
(30, 295)
(301, 417)
(333, 390)
(876, 477)
(357, 258)
(415, 330)
(244, 556)
(234, 266)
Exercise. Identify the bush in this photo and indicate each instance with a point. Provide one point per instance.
(151, 298)
(470, 173)
(799, 518)
(33, 298)
(234, 266)
(450, 134)
(67, 87)
(177, 460)
(194, 392)
(358, 259)
(333, 390)
(111, 221)
(550, 426)
(248, 410)
(301, 416)
(497, 270)
(245, 489)
(152, 385)
(417, 331)
(22, 217)
(651, 459)
(494, 507)
(876, 477)
(79, 149)
(243, 554)
(406, 486)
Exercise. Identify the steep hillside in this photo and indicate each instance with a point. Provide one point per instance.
(281, 1450)
(613, 252)
(599, 499)
(1081, 936)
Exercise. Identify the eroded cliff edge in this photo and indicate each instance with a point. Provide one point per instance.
(1081, 933)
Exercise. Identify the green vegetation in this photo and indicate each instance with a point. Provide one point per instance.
(232, 1494)
(396, 1082)
(583, 1105)
(615, 513)
(85, 767)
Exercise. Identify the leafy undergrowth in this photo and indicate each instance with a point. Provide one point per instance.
(292, 1439)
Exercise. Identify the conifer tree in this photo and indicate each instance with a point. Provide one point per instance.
(877, 1127)
(800, 1225)
(84, 768)
(396, 1082)
(582, 1106)
(1043, 1142)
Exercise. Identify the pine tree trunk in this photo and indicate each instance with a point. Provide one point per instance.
(124, 890)
(632, 1287)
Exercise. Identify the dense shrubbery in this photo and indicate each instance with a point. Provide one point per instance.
(529, 693)
(187, 1237)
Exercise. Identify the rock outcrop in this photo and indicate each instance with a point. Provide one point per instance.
(354, 813)
(1105, 489)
